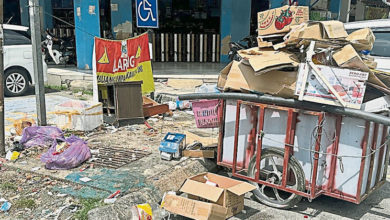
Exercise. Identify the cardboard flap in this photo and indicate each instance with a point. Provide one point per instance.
(334, 29)
(194, 209)
(202, 190)
(235, 80)
(242, 188)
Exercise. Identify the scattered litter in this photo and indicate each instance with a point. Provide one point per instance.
(172, 145)
(12, 155)
(5, 206)
(85, 179)
(115, 194)
(35, 169)
(110, 201)
(61, 195)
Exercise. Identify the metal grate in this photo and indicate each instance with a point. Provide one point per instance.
(115, 157)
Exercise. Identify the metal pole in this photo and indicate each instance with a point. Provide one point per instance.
(267, 99)
(35, 25)
(2, 134)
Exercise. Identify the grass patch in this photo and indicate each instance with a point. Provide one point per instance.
(83, 91)
(87, 204)
(63, 87)
(8, 186)
(24, 203)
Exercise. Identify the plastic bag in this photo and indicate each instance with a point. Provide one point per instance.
(72, 157)
(40, 136)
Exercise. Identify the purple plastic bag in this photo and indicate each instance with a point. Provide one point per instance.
(40, 136)
(76, 154)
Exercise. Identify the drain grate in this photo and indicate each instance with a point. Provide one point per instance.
(115, 157)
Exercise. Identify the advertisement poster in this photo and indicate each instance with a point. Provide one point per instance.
(123, 61)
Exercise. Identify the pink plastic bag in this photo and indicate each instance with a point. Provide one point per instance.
(40, 136)
(72, 157)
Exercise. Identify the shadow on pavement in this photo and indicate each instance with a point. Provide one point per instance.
(325, 204)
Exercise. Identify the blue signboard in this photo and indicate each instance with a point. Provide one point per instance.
(147, 13)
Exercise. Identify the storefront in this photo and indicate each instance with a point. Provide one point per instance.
(189, 30)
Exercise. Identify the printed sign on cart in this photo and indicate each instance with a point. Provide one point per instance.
(147, 13)
(124, 61)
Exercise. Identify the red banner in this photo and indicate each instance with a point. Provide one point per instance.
(123, 61)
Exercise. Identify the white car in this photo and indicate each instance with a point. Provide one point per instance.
(381, 50)
(18, 60)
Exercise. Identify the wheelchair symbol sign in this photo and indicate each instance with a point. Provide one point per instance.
(147, 13)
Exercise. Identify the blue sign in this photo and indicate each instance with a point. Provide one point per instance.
(147, 13)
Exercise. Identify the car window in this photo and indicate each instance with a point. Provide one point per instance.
(12, 37)
(382, 44)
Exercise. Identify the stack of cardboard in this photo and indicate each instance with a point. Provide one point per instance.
(314, 61)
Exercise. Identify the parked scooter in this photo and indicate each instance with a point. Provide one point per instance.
(245, 43)
(59, 51)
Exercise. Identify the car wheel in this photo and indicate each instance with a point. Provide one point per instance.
(15, 82)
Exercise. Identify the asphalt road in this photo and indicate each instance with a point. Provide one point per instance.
(376, 206)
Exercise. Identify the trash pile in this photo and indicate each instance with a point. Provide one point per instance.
(63, 153)
(314, 61)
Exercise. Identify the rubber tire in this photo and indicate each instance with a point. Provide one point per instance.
(293, 163)
(21, 72)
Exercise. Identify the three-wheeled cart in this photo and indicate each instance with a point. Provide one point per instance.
(291, 151)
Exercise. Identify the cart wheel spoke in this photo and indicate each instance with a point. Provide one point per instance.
(277, 195)
(262, 188)
(274, 165)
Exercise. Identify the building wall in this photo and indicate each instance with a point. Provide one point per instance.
(121, 18)
(87, 26)
(235, 23)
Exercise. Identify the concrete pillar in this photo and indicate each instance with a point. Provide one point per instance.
(334, 8)
(87, 22)
(46, 18)
(360, 9)
(277, 3)
(345, 7)
(121, 18)
(235, 23)
(24, 17)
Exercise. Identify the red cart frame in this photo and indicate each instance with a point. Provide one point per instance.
(315, 190)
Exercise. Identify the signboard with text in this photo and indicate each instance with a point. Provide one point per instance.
(124, 61)
(147, 13)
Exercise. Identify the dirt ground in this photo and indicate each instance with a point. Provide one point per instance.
(32, 194)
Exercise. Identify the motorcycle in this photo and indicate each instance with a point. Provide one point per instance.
(59, 51)
(245, 43)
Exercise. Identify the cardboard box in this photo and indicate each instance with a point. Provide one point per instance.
(348, 58)
(199, 153)
(350, 84)
(231, 78)
(362, 39)
(229, 195)
(193, 209)
(279, 20)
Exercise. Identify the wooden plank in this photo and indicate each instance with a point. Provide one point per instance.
(199, 153)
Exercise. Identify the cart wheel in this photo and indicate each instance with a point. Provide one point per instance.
(271, 169)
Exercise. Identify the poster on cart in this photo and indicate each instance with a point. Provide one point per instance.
(123, 61)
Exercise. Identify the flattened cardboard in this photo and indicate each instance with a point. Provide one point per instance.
(362, 39)
(350, 85)
(348, 58)
(263, 44)
(231, 78)
(194, 209)
(319, 30)
(268, 60)
(206, 141)
(278, 83)
(270, 21)
(199, 153)
(334, 29)
(242, 188)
